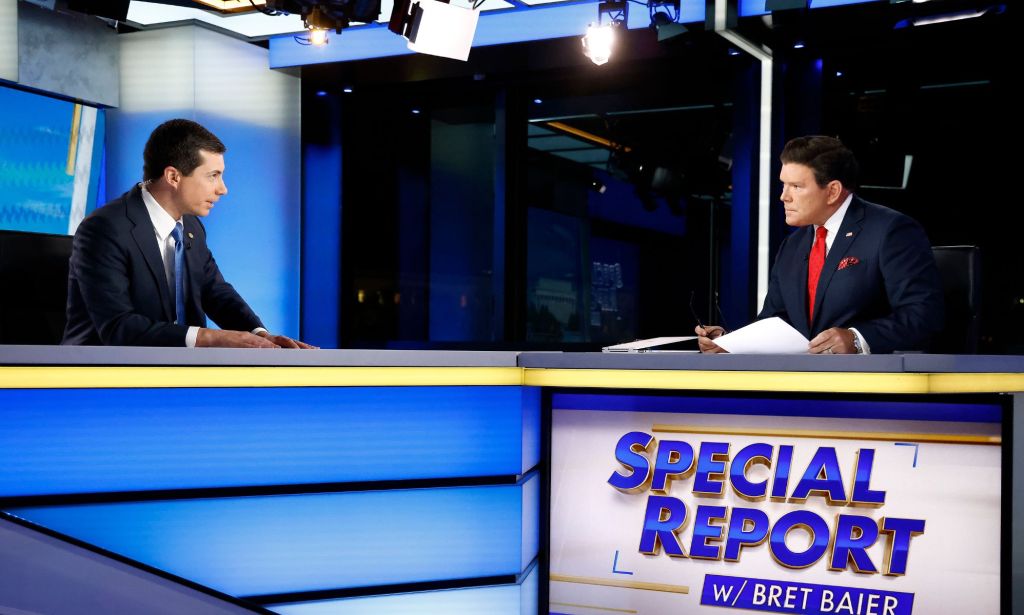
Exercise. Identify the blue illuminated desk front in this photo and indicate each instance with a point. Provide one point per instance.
(345, 481)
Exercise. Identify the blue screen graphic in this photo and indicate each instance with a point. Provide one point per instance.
(50, 161)
(99, 440)
(267, 545)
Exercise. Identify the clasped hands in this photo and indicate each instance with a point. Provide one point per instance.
(836, 340)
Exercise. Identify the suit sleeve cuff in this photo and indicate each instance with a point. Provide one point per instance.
(190, 337)
(863, 342)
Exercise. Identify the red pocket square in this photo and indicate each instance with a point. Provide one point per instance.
(849, 261)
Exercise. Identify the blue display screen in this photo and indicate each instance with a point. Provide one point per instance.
(101, 440)
(826, 408)
(50, 162)
(252, 546)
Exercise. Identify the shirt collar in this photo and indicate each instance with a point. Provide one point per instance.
(163, 223)
(836, 220)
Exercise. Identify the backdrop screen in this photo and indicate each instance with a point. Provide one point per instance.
(50, 162)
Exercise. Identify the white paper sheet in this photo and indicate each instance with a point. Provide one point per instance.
(768, 336)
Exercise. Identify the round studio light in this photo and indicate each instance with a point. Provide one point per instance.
(317, 36)
(599, 42)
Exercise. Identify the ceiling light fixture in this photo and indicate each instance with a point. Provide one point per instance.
(317, 36)
(436, 27)
(665, 18)
(324, 15)
(599, 41)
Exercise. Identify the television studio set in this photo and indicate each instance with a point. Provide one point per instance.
(510, 307)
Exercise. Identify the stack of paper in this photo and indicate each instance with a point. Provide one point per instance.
(768, 336)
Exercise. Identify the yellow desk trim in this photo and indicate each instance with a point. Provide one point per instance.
(190, 377)
(654, 587)
(796, 382)
(63, 377)
(975, 383)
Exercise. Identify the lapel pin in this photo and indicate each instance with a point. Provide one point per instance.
(191, 236)
(850, 234)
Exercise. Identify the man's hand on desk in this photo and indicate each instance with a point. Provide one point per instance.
(210, 338)
(285, 342)
(705, 335)
(836, 340)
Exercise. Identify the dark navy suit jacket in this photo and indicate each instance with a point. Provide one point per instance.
(888, 289)
(117, 289)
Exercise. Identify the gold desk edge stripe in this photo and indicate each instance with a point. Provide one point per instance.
(591, 606)
(94, 377)
(814, 382)
(657, 587)
(839, 435)
(15, 377)
(781, 381)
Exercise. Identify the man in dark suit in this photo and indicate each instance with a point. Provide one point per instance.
(141, 273)
(857, 277)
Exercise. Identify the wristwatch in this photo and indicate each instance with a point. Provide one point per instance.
(857, 348)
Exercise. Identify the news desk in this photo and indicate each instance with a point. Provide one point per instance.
(362, 481)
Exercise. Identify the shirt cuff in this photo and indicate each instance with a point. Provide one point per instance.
(190, 337)
(259, 330)
(863, 342)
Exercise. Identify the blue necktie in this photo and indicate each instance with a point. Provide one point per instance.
(179, 274)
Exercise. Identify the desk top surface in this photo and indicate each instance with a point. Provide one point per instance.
(224, 357)
(46, 367)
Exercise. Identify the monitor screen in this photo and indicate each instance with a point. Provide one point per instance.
(50, 162)
(675, 503)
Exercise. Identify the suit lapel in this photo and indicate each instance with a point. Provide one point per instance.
(145, 238)
(849, 230)
(798, 296)
(192, 264)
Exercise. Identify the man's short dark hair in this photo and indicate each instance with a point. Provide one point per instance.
(176, 143)
(826, 156)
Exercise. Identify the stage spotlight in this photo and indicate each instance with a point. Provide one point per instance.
(435, 28)
(599, 41)
(317, 36)
(664, 15)
(323, 15)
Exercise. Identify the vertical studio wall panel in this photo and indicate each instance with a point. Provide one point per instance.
(226, 85)
(9, 40)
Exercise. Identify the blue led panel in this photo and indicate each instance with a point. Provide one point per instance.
(50, 153)
(831, 408)
(98, 440)
(518, 599)
(756, 7)
(275, 544)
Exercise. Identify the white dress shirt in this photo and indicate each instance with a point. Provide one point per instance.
(832, 226)
(163, 224)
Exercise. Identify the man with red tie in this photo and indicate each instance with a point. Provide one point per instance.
(857, 277)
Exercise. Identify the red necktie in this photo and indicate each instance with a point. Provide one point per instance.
(814, 265)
